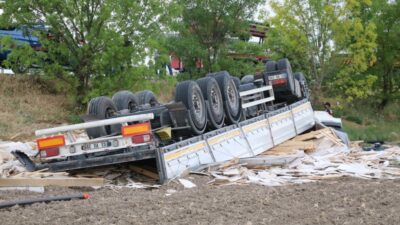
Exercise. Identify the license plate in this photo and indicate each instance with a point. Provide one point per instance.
(275, 77)
(97, 145)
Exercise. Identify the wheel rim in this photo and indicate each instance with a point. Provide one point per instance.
(108, 114)
(132, 106)
(197, 106)
(153, 103)
(232, 98)
(215, 101)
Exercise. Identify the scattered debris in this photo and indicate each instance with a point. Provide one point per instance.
(170, 192)
(29, 148)
(374, 146)
(31, 189)
(187, 183)
(317, 155)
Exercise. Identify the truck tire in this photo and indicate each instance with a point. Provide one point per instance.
(102, 108)
(247, 79)
(237, 81)
(230, 96)
(284, 64)
(125, 100)
(190, 94)
(303, 84)
(147, 97)
(215, 108)
(270, 66)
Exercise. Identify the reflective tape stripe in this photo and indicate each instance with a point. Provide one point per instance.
(218, 139)
(254, 126)
(180, 152)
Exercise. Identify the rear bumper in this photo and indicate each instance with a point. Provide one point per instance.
(127, 155)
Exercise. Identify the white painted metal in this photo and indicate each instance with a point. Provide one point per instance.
(114, 143)
(302, 117)
(229, 145)
(258, 102)
(258, 135)
(256, 90)
(282, 127)
(252, 137)
(99, 123)
(194, 155)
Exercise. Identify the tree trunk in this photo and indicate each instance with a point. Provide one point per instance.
(386, 89)
(209, 54)
(81, 89)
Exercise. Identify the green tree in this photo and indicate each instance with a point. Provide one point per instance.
(91, 38)
(385, 15)
(317, 35)
(204, 27)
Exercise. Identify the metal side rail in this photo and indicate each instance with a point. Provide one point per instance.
(248, 138)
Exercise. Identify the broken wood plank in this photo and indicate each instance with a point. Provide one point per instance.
(270, 160)
(41, 182)
(229, 163)
(282, 150)
(311, 135)
(305, 145)
(144, 172)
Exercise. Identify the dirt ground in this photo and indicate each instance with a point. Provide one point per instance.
(343, 201)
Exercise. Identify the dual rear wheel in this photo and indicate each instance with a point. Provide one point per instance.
(211, 102)
(218, 101)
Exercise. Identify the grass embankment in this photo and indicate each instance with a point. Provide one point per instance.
(368, 123)
(26, 105)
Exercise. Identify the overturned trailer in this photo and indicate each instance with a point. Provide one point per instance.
(214, 119)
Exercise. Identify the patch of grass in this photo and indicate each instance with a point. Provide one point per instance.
(364, 121)
(74, 118)
(27, 106)
(376, 131)
(355, 119)
(164, 88)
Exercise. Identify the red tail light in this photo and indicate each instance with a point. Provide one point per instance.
(279, 81)
(141, 138)
(50, 152)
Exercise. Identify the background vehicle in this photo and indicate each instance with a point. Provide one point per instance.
(20, 36)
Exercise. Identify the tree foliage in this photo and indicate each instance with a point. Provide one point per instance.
(205, 26)
(385, 15)
(327, 39)
(90, 38)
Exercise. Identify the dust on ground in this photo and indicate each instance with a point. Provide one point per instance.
(340, 201)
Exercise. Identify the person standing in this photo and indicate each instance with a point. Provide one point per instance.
(328, 109)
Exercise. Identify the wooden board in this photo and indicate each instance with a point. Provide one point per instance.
(144, 172)
(304, 145)
(40, 182)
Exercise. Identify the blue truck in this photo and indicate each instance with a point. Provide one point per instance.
(20, 36)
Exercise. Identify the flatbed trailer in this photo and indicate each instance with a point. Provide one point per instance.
(245, 139)
(170, 134)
